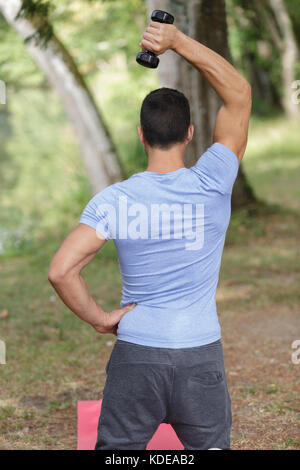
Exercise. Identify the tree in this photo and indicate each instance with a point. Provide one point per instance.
(254, 55)
(99, 156)
(205, 21)
(275, 16)
(269, 48)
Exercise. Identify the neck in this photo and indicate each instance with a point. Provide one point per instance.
(165, 161)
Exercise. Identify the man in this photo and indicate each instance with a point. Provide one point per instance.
(169, 225)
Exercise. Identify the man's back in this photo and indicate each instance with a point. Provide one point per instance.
(169, 230)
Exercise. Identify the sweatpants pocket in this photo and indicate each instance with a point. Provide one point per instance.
(207, 394)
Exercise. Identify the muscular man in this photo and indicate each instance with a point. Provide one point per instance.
(168, 224)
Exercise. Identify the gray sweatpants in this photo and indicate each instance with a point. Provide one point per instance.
(147, 386)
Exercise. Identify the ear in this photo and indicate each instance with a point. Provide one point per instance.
(141, 135)
(190, 133)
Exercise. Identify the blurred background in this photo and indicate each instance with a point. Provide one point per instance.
(68, 128)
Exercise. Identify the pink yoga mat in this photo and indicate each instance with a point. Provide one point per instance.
(88, 415)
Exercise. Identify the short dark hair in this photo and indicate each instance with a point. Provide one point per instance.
(165, 118)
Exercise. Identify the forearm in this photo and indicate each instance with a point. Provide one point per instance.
(74, 293)
(229, 84)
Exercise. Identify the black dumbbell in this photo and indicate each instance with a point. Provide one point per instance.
(147, 58)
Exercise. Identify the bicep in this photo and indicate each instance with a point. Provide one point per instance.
(231, 128)
(77, 250)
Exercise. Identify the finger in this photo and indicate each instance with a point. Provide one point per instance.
(143, 48)
(149, 37)
(148, 45)
(155, 24)
(125, 310)
(152, 30)
(116, 315)
(129, 307)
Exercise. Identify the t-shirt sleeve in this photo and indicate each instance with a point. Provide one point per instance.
(99, 213)
(217, 169)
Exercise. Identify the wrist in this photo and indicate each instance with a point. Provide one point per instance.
(99, 319)
(178, 39)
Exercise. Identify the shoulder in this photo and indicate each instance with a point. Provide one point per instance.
(217, 168)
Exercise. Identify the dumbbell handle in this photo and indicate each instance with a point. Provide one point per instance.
(148, 58)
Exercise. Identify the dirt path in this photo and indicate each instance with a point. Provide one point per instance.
(263, 381)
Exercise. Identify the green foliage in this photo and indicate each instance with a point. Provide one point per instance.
(254, 52)
(37, 11)
(18, 69)
(42, 178)
(30, 8)
(293, 7)
(96, 31)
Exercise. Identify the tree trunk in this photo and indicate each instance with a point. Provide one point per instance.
(262, 87)
(274, 15)
(99, 156)
(205, 21)
(289, 55)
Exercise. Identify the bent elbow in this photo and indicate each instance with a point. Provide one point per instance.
(55, 275)
(243, 95)
(247, 92)
(52, 277)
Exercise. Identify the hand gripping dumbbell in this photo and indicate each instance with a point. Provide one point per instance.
(148, 58)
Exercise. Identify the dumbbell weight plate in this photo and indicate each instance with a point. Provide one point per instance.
(162, 17)
(147, 59)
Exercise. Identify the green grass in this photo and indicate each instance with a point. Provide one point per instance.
(251, 391)
(272, 161)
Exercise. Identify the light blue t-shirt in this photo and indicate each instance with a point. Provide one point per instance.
(169, 231)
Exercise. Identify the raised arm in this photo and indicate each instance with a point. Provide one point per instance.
(232, 123)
